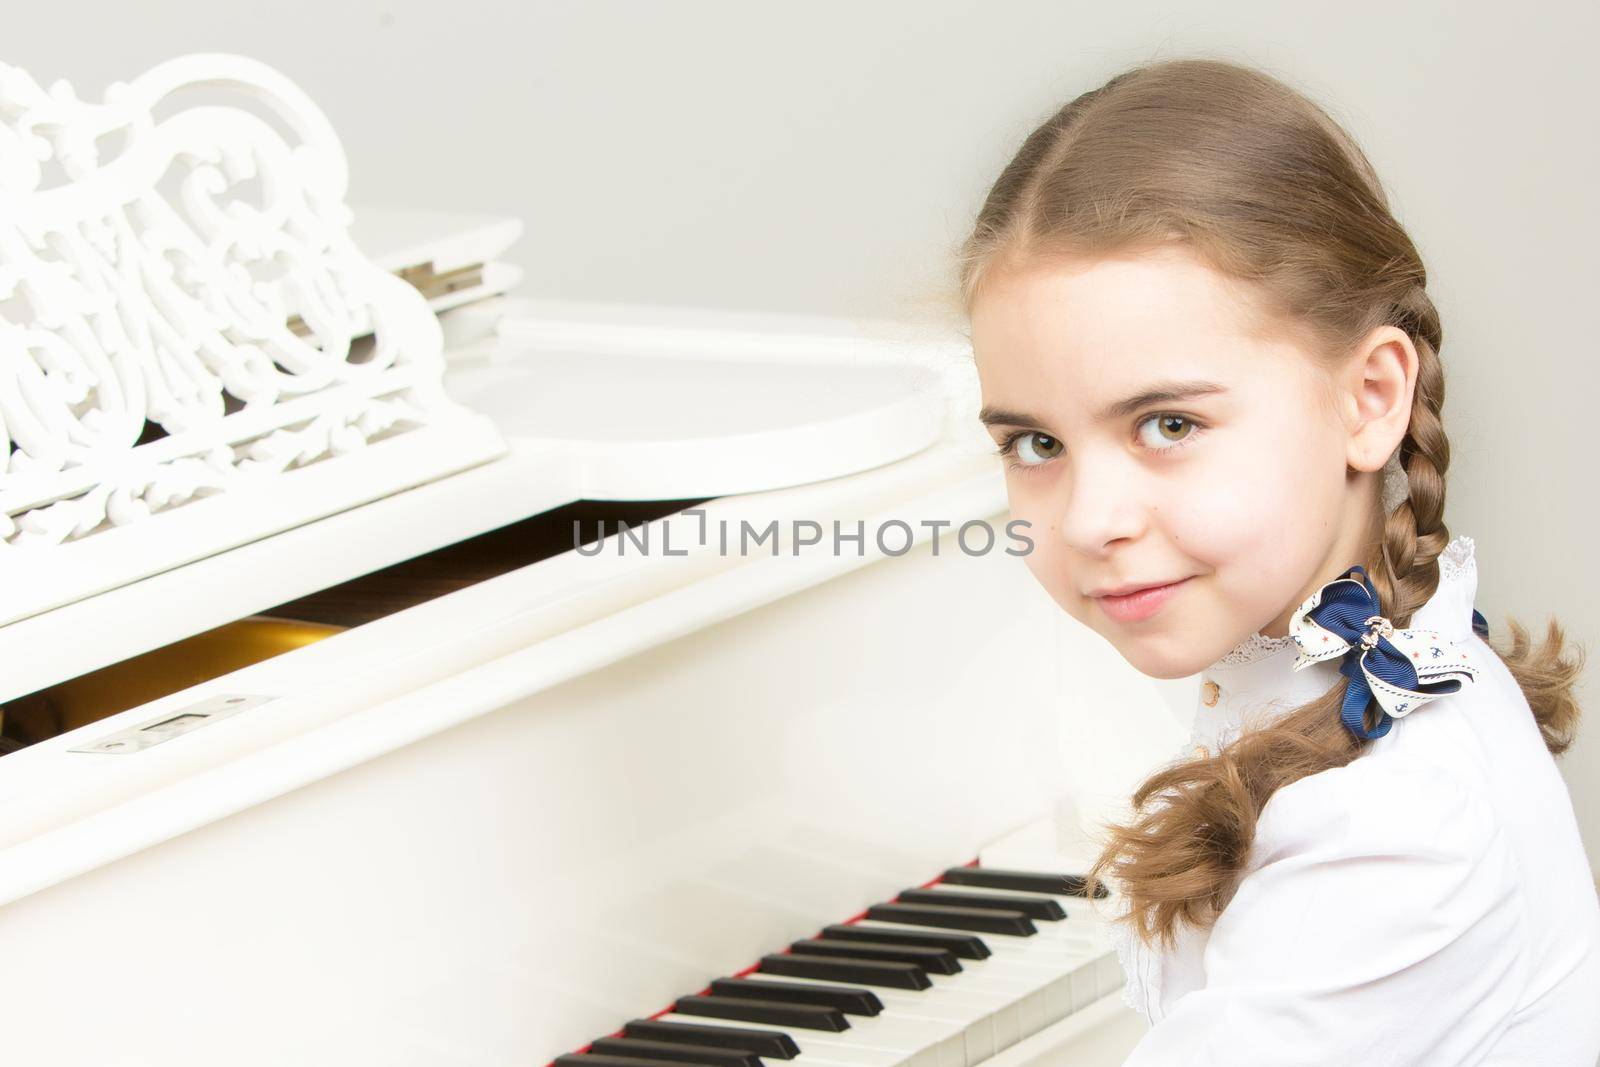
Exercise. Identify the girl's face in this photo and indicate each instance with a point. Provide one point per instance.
(1154, 439)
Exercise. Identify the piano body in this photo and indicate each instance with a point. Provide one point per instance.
(406, 674)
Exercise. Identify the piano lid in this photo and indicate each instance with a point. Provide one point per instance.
(182, 321)
(643, 425)
(195, 416)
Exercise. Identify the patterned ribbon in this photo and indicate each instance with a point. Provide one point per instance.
(1401, 669)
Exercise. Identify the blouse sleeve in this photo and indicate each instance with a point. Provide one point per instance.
(1379, 925)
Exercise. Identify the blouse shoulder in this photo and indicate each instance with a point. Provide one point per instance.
(1425, 840)
(1391, 806)
(1374, 889)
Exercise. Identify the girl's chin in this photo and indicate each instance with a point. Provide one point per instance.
(1164, 659)
(1167, 671)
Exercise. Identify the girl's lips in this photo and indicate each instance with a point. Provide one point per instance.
(1140, 604)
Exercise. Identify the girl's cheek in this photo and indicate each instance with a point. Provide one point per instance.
(1047, 560)
(1044, 560)
(1211, 503)
(1215, 513)
(1261, 526)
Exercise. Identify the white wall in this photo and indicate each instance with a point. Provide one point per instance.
(826, 157)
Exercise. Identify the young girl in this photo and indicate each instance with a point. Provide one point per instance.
(1208, 354)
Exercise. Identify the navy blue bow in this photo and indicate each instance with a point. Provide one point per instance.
(1348, 609)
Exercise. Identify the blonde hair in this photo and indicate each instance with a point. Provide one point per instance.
(1266, 188)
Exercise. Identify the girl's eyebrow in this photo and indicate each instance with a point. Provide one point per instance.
(1158, 393)
(990, 415)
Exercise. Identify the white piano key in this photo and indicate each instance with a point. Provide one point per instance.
(947, 1002)
(813, 1051)
(993, 1002)
(1003, 946)
(1109, 972)
(880, 1041)
(1072, 976)
(1048, 977)
(1085, 918)
(1068, 903)
(1026, 985)
(997, 999)
(929, 1041)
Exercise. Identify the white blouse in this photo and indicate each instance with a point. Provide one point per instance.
(1429, 903)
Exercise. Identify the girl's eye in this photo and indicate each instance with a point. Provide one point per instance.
(1031, 448)
(1163, 432)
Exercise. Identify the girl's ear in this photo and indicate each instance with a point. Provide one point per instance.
(1377, 384)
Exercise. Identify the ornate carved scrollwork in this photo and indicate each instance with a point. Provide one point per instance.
(180, 300)
(193, 352)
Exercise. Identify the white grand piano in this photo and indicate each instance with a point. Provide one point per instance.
(398, 673)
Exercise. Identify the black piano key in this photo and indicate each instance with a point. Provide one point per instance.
(679, 1052)
(884, 973)
(966, 946)
(1033, 907)
(982, 920)
(850, 1001)
(584, 1059)
(761, 1042)
(932, 960)
(776, 1012)
(1062, 885)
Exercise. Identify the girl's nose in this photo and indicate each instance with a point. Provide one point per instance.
(1102, 507)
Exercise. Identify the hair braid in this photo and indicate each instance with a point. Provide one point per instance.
(1414, 533)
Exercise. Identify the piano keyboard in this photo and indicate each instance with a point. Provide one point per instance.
(945, 975)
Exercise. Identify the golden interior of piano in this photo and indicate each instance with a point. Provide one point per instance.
(91, 697)
(88, 698)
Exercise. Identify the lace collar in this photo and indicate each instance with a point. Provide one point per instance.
(1256, 678)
